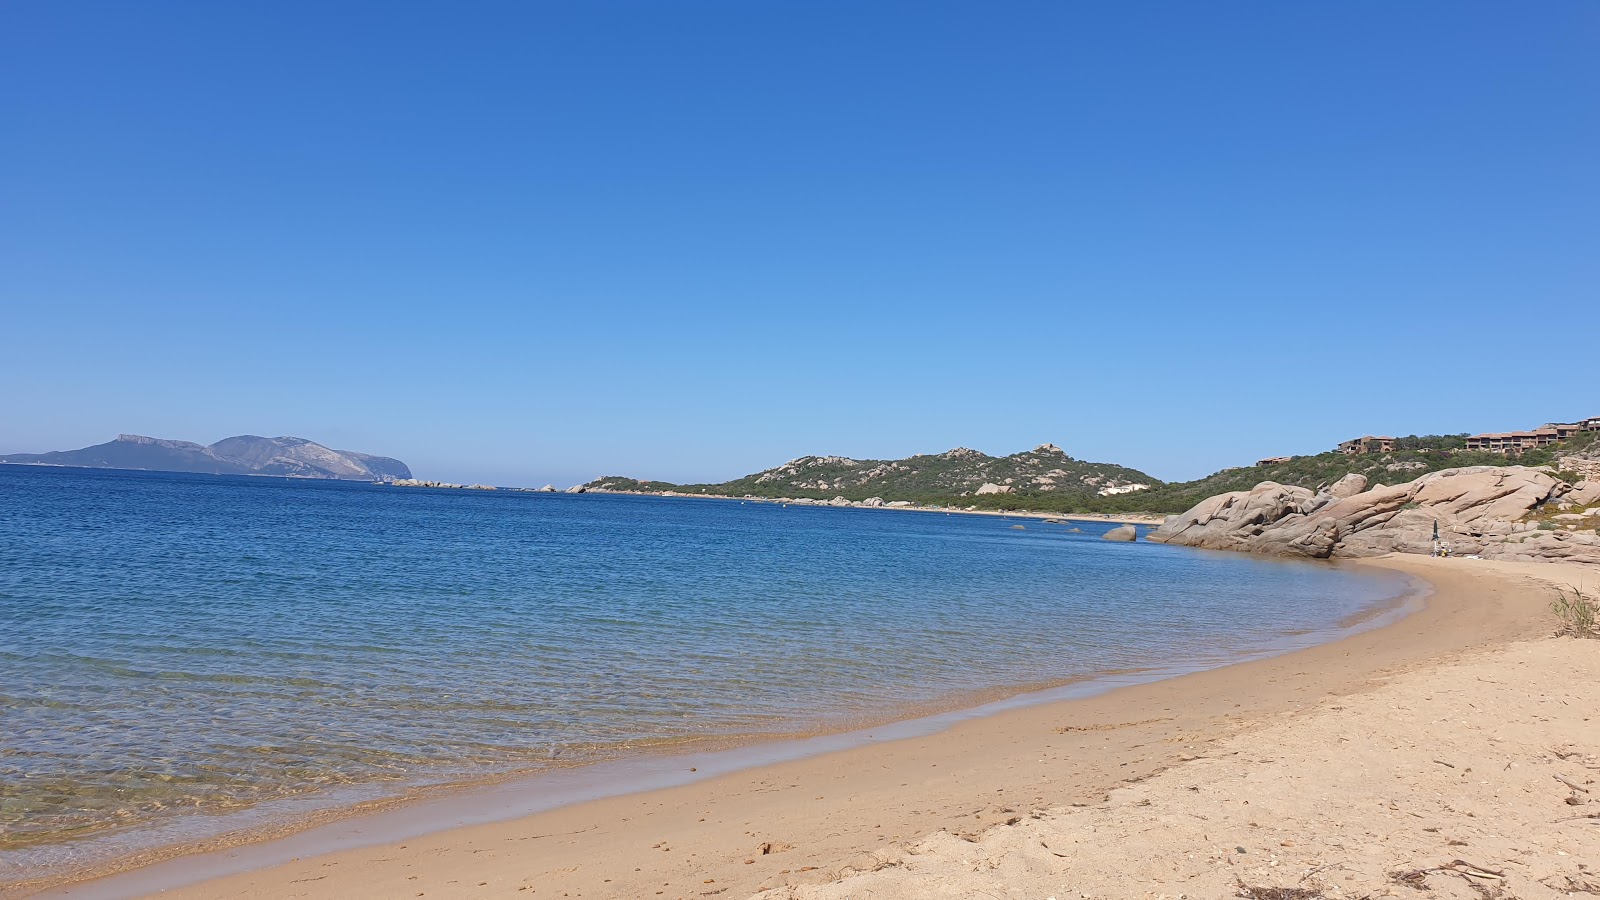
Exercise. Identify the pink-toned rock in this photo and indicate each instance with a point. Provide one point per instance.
(1475, 509)
(1584, 494)
(1348, 486)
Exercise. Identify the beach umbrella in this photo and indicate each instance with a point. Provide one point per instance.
(1436, 529)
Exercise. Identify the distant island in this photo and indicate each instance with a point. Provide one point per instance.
(246, 454)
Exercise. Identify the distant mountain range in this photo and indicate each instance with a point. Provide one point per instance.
(1044, 470)
(245, 454)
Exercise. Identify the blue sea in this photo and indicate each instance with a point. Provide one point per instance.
(186, 655)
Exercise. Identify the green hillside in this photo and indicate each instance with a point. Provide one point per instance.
(1415, 455)
(1045, 479)
(954, 476)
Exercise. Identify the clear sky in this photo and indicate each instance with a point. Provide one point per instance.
(530, 242)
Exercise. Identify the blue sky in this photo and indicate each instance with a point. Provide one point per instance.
(527, 242)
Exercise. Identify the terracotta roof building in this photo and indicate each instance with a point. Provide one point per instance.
(1367, 444)
(1543, 436)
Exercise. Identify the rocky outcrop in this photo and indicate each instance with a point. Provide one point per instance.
(1491, 511)
(1348, 486)
(1584, 494)
(1121, 533)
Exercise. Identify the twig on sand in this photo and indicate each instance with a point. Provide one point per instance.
(1411, 878)
(1571, 784)
(535, 837)
(1443, 763)
(1462, 867)
(1279, 893)
(1311, 872)
(1574, 886)
(1417, 878)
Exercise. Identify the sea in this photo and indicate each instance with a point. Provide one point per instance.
(184, 657)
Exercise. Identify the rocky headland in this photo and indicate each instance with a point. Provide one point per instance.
(1045, 473)
(1496, 512)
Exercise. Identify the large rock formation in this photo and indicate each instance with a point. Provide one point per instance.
(1483, 510)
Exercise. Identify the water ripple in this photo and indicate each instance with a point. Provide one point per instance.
(177, 648)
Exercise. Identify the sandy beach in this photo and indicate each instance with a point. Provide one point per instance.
(1134, 793)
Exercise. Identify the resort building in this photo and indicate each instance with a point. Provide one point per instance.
(1367, 444)
(1543, 436)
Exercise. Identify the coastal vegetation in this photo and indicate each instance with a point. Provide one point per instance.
(1046, 479)
(959, 475)
(630, 485)
(1414, 456)
(1577, 614)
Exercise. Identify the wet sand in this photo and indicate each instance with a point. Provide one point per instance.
(813, 819)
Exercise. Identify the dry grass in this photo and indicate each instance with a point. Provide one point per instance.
(1577, 614)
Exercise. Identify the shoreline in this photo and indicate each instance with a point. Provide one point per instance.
(1151, 519)
(1469, 774)
(537, 790)
(989, 744)
(516, 795)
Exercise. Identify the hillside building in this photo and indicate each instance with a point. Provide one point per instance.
(1367, 444)
(1543, 436)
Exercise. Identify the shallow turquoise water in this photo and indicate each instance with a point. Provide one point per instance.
(177, 649)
